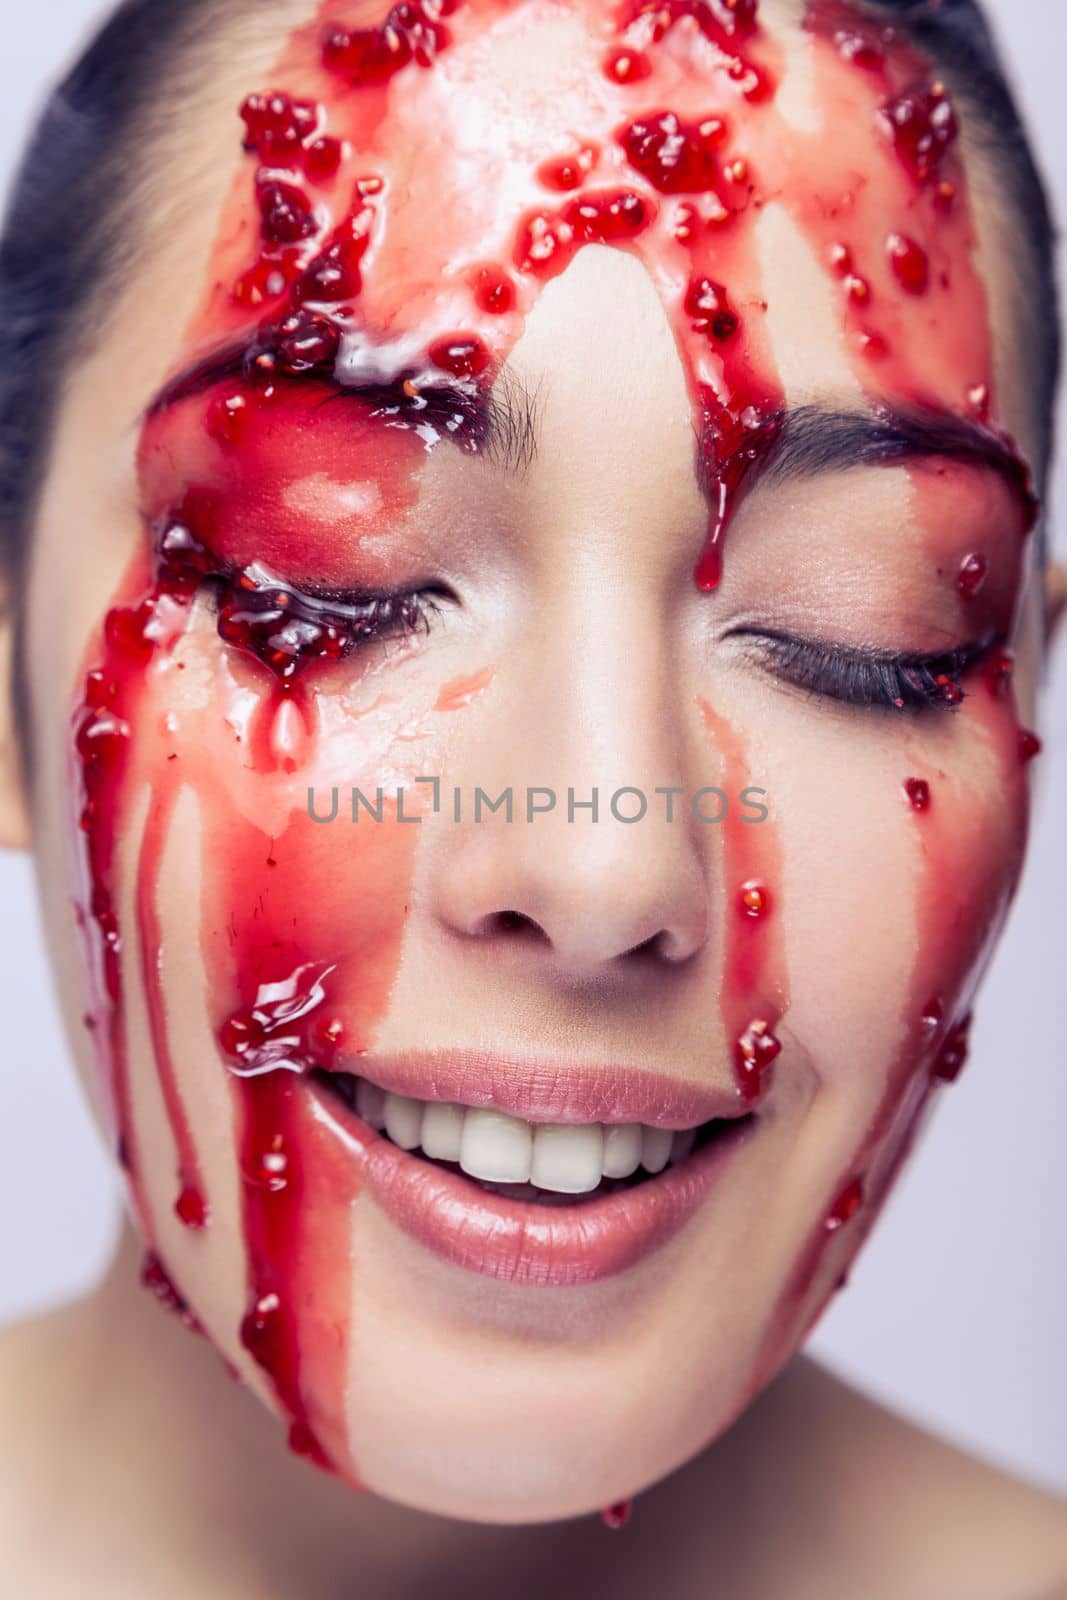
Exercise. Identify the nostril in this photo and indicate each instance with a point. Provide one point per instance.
(514, 923)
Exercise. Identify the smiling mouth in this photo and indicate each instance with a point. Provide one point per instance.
(543, 1163)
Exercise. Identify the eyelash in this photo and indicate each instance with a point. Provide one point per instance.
(255, 614)
(283, 626)
(869, 678)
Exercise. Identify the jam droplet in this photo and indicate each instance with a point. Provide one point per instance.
(260, 1331)
(626, 66)
(494, 291)
(190, 1208)
(918, 792)
(845, 1206)
(1029, 745)
(754, 899)
(284, 211)
(676, 157)
(953, 1053)
(754, 1051)
(998, 670)
(618, 1515)
(972, 575)
(463, 357)
(909, 262)
(932, 1012)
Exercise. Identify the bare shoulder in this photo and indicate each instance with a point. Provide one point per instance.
(938, 1519)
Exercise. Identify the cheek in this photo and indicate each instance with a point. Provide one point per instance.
(240, 945)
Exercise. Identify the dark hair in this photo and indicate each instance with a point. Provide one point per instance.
(65, 231)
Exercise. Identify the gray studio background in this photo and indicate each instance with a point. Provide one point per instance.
(957, 1312)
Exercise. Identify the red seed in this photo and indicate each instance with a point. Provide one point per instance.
(972, 575)
(918, 792)
(626, 66)
(909, 262)
(618, 1515)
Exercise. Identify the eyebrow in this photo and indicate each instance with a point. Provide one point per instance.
(810, 440)
(501, 422)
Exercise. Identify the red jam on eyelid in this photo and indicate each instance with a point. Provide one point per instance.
(335, 248)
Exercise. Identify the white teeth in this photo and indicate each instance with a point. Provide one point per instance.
(403, 1120)
(442, 1130)
(568, 1157)
(558, 1158)
(497, 1147)
(622, 1149)
(682, 1145)
(370, 1103)
(655, 1148)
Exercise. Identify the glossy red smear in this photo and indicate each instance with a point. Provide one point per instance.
(755, 992)
(301, 483)
(971, 575)
(618, 1515)
(922, 124)
(191, 1205)
(952, 1056)
(460, 692)
(910, 263)
(845, 1206)
(918, 793)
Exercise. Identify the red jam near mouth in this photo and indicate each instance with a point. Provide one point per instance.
(343, 294)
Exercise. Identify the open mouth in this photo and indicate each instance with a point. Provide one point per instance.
(542, 1163)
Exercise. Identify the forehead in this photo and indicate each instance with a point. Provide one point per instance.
(780, 128)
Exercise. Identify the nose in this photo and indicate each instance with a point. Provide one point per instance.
(591, 859)
(594, 705)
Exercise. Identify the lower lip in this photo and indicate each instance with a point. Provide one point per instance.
(519, 1242)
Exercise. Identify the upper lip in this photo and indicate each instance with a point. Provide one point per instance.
(548, 1091)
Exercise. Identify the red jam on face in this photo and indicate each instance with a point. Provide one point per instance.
(353, 319)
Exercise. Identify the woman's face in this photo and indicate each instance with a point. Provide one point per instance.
(565, 400)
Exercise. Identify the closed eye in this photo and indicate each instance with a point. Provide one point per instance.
(867, 678)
